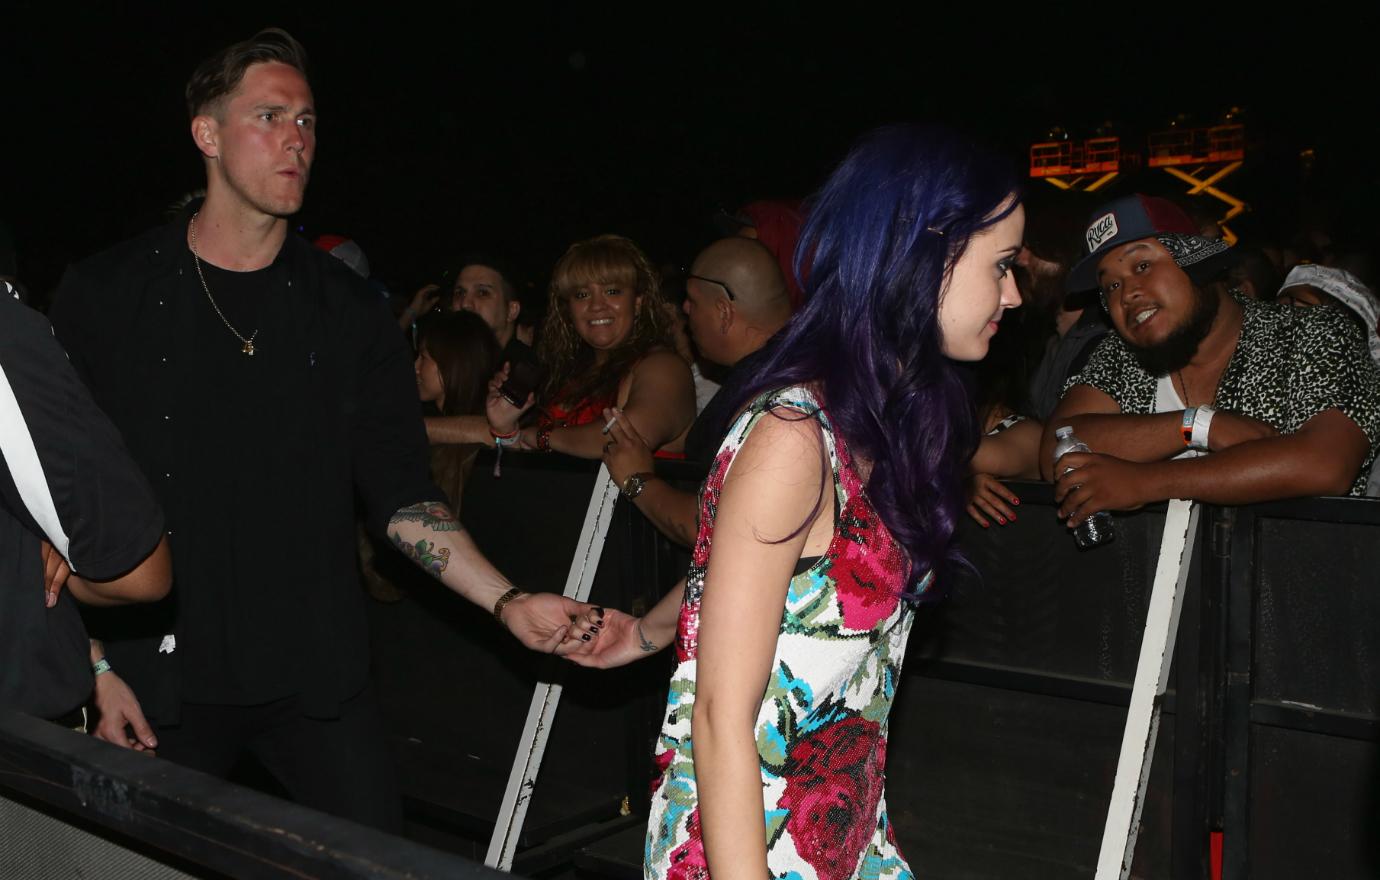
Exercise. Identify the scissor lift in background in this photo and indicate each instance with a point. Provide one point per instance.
(1202, 158)
(1088, 166)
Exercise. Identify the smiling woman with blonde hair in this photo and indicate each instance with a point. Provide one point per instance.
(605, 343)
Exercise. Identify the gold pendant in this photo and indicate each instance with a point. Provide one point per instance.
(248, 347)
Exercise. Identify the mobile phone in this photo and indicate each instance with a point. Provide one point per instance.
(522, 380)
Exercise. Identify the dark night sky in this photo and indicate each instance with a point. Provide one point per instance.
(526, 129)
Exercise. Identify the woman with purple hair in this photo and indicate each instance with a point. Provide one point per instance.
(826, 516)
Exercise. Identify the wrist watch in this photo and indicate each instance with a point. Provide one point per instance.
(633, 485)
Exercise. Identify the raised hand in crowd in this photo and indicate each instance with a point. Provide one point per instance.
(625, 453)
(423, 301)
(502, 414)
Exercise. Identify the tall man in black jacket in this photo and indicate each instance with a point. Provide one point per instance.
(261, 385)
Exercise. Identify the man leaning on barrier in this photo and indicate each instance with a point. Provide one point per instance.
(1285, 400)
(262, 386)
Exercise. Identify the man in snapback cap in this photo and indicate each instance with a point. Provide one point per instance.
(1285, 400)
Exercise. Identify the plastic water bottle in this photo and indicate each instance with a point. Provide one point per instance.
(1096, 529)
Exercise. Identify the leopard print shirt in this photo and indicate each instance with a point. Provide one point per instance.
(1290, 364)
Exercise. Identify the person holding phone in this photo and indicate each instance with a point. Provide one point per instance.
(483, 286)
(457, 355)
(605, 343)
(828, 512)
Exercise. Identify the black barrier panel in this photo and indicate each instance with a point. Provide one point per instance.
(1009, 720)
(987, 782)
(1315, 806)
(1302, 713)
(130, 811)
(1318, 615)
(455, 688)
(1039, 604)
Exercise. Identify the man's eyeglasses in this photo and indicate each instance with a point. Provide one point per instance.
(728, 290)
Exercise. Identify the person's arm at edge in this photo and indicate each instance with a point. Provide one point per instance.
(1097, 420)
(149, 581)
(673, 511)
(1322, 458)
(458, 429)
(775, 479)
(1012, 454)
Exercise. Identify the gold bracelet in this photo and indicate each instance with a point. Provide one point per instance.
(503, 603)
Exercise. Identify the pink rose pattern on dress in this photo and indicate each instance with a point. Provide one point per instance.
(833, 785)
(823, 724)
(687, 860)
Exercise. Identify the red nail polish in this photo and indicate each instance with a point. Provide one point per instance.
(1013, 517)
(1016, 501)
(1001, 521)
(984, 525)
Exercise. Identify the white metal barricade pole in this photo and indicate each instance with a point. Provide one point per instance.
(522, 779)
(1152, 674)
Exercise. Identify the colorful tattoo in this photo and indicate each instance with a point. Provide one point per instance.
(434, 515)
(425, 553)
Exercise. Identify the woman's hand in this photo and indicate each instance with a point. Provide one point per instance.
(987, 495)
(503, 416)
(625, 452)
(604, 639)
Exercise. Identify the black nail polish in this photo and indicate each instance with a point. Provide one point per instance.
(585, 637)
(599, 611)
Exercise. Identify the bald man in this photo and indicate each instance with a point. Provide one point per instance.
(736, 299)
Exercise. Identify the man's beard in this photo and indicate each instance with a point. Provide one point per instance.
(1182, 343)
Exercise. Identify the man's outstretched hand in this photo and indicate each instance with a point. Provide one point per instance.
(541, 621)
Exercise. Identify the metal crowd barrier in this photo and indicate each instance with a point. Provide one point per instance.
(72, 806)
(1004, 738)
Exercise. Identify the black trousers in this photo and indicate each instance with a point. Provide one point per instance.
(339, 766)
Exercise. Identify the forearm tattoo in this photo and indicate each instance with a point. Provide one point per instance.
(425, 553)
(647, 646)
(433, 515)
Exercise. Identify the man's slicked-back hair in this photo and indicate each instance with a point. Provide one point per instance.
(220, 74)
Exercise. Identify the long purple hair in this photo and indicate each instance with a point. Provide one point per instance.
(880, 239)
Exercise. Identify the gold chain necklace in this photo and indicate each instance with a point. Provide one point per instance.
(247, 340)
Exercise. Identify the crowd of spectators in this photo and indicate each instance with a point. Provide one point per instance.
(1193, 367)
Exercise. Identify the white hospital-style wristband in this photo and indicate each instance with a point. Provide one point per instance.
(1202, 423)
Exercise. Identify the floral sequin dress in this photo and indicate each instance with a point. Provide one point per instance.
(822, 727)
